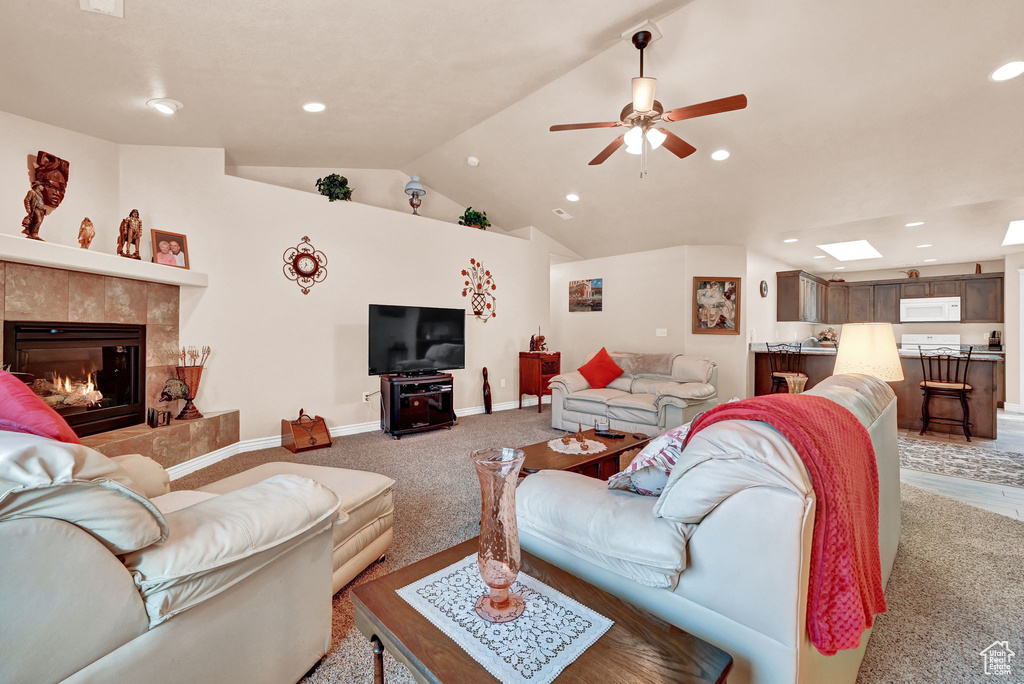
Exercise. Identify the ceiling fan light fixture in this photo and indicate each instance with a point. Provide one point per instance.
(655, 137)
(643, 93)
(633, 137)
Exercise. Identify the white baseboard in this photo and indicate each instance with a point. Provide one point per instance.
(1013, 408)
(200, 462)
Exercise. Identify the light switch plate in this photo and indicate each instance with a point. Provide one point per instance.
(503, 382)
(661, 332)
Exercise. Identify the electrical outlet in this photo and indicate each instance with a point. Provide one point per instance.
(753, 335)
(366, 397)
(503, 382)
(661, 332)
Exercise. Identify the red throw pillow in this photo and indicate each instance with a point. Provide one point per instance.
(19, 404)
(600, 370)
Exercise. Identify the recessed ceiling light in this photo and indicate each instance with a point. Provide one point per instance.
(572, 197)
(840, 268)
(314, 107)
(927, 260)
(915, 224)
(790, 240)
(1008, 71)
(472, 161)
(820, 256)
(720, 155)
(1014, 233)
(923, 246)
(852, 250)
(164, 106)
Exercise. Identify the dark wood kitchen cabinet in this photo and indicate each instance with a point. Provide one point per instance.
(860, 307)
(919, 287)
(800, 296)
(838, 301)
(887, 303)
(982, 300)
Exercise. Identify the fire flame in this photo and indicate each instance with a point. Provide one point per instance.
(87, 389)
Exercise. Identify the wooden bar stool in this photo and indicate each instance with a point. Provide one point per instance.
(785, 360)
(945, 375)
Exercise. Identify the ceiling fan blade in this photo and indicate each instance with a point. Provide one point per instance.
(676, 145)
(607, 152)
(575, 127)
(726, 104)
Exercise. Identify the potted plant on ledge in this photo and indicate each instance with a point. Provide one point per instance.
(476, 219)
(334, 187)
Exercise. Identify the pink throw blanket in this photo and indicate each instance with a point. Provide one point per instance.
(845, 589)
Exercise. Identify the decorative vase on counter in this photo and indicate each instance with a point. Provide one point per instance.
(499, 555)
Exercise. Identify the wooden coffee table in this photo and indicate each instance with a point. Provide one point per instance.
(601, 465)
(638, 648)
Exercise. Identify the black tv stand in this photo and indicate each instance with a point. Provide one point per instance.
(416, 404)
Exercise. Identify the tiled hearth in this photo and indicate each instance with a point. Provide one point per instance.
(39, 293)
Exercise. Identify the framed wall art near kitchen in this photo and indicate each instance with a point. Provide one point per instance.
(716, 306)
(170, 249)
(586, 295)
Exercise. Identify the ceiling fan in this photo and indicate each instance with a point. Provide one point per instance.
(644, 113)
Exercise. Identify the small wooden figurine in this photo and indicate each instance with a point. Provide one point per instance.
(487, 394)
(129, 235)
(35, 207)
(86, 232)
(537, 343)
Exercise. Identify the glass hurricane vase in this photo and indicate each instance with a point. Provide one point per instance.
(498, 557)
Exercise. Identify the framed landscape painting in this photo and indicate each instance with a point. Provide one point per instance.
(716, 306)
(586, 295)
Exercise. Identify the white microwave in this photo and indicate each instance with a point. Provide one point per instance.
(930, 310)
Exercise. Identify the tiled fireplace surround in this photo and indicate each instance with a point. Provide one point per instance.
(38, 293)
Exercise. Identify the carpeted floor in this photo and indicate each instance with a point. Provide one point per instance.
(955, 589)
(973, 462)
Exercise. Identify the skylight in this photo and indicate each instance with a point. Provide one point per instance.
(852, 250)
(1014, 234)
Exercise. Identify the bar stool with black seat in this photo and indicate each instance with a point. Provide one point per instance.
(785, 361)
(945, 375)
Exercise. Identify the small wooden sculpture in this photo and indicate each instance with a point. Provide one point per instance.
(566, 440)
(487, 394)
(537, 343)
(130, 235)
(52, 173)
(35, 207)
(86, 232)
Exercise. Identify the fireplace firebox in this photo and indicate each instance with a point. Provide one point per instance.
(92, 374)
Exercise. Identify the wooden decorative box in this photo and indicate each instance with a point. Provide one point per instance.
(305, 433)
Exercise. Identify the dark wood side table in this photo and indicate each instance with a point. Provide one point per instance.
(638, 649)
(535, 371)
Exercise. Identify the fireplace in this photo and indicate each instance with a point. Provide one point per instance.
(92, 374)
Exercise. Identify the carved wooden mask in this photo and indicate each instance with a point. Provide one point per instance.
(52, 172)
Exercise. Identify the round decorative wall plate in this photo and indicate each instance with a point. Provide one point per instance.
(764, 288)
(305, 264)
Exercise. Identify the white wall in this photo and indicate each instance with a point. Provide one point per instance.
(1013, 327)
(384, 188)
(644, 291)
(92, 181)
(277, 350)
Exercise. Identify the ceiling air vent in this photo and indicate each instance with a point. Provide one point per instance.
(112, 8)
(562, 213)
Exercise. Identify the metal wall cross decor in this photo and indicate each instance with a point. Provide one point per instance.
(305, 264)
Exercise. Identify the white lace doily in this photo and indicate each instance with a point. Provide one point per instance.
(573, 447)
(552, 632)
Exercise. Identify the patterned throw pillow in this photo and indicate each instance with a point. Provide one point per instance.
(649, 471)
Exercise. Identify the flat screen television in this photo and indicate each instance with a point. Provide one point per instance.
(416, 340)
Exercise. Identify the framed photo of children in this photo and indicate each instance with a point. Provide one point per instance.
(170, 249)
(716, 306)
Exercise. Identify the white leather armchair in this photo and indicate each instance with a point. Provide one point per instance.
(724, 552)
(102, 583)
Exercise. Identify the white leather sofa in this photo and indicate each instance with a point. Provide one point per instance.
(108, 576)
(736, 572)
(655, 392)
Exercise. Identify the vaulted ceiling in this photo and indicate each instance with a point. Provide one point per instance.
(863, 115)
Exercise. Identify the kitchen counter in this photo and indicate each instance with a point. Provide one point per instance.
(985, 376)
(976, 355)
